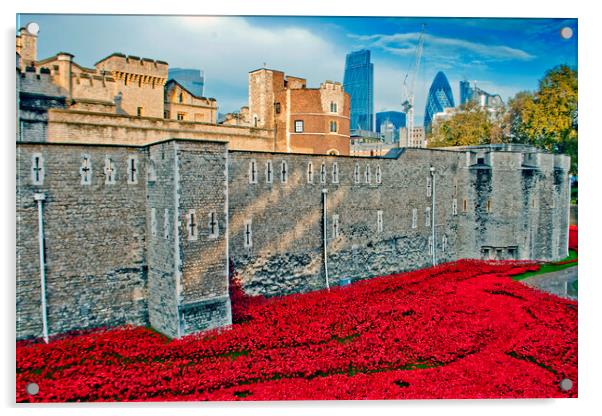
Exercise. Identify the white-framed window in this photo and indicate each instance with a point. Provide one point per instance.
(323, 173)
(152, 171)
(333, 126)
(429, 186)
(166, 223)
(335, 172)
(248, 234)
(284, 171)
(335, 226)
(298, 126)
(37, 169)
(132, 169)
(110, 171)
(465, 206)
(191, 225)
(427, 217)
(310, 172)
(455, 206)
(253, 171)
(333, 107)
(414, 218)
(356, 173)
(368, 174)
(379, 221)
(85, 170)
(444, 243)
(269, 172)
(153, 221)
(490, 208)
(378, 175)
(431, 245)
(213, 225)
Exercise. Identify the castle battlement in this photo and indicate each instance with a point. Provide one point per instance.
(118, 63)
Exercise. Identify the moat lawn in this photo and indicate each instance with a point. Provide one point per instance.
(458, 330)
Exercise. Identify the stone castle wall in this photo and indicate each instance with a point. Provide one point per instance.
(153, 248)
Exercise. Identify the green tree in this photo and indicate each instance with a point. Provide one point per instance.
(549, 119)
(471, 125)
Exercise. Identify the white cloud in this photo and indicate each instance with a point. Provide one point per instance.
(404, 44)
(230, 47)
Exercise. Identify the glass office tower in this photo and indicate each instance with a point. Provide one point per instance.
(192, 79)
(358, 82)
(440, 97)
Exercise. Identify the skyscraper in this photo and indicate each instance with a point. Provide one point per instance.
(440, 97)
(395, 118)
(482, 98)
(358, 82)
(192, 79)
(465, 92)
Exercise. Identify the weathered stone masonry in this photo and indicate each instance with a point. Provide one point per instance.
(147, 241)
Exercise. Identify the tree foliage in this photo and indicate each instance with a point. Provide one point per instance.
(546, 118)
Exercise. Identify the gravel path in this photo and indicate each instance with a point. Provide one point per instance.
(555, 282)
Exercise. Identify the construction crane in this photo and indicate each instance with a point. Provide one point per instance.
(408, 88)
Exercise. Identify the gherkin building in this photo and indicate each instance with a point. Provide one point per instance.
(440, 97)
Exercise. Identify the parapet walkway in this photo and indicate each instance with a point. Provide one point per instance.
(558, 283)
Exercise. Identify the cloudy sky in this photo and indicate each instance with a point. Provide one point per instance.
(503, 56)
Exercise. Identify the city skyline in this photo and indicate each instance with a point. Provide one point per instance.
(503, 55)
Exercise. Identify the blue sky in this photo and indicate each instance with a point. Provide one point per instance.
(503, 56)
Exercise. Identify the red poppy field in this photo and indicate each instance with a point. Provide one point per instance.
(458, 330)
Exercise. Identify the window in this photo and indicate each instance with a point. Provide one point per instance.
(323, 173)
(298, 126)
(465, 206)
(379, 221)
(37, 169)
(429, 186)
(252, 171)
(356, 173)
(248, 237)
(180, 97)
(85, 170)
(139, 111)
(335, 173)
(255, 121)
(489, 205)
(454, 206)
(166, 223)
(153, 221)
(110, 172)
(269, 171)
(414, 218)
(165, 114)
(431, 245)
(333, 126)
(333, 107)
(181, 116)
(132, 169)
(213, 225)
(444, 243)
(283, 172)
(277, 108)
(485, 253)
(310, 173)
(367, 174)
(191, 225)
(152, 171)
(427, 217)
(378, 175)
(335, 226)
